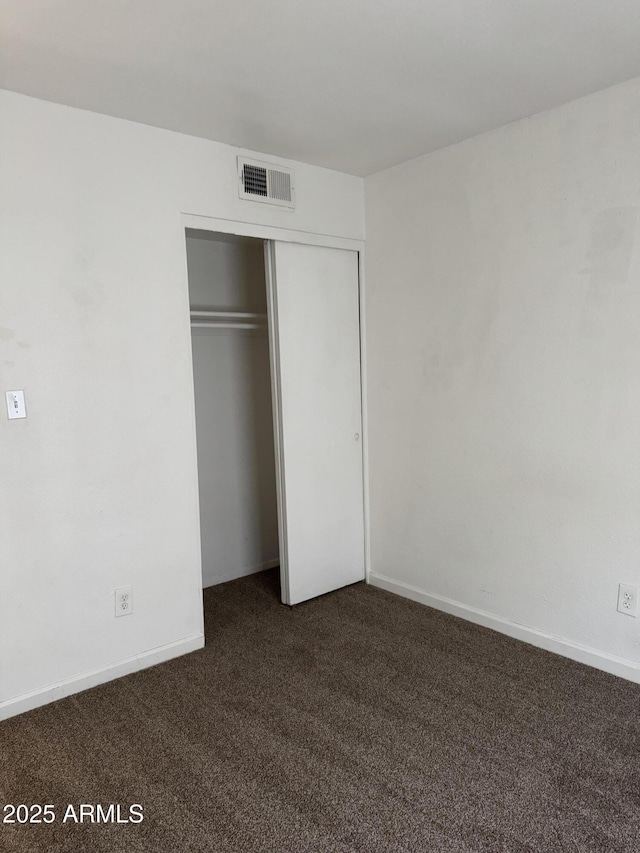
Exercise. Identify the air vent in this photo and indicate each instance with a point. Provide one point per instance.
(262, 182)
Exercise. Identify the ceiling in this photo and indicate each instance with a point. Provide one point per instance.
(354, 85)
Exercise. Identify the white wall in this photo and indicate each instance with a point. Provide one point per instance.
(98, 486)
(503, 323)
(234, 418)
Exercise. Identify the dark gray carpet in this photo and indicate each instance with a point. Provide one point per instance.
(355, 722)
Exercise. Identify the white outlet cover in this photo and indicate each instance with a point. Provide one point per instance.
(124, 601)
(627, 600)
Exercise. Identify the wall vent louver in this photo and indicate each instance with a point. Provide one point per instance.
(263, 182)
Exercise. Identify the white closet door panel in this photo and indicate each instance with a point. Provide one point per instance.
(315, 325)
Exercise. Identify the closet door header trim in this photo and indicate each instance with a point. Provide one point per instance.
(268, 232)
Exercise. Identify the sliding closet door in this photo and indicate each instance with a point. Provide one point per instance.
(315, 343)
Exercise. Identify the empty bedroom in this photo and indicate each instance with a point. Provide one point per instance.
(320, 492)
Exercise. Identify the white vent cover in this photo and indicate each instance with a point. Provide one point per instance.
(263, 182)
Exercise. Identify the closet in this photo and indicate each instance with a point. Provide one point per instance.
(234, 419)
(276, 359)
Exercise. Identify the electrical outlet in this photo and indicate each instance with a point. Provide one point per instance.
(628, 599)
(124, 601)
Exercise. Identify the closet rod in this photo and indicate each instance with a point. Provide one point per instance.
(226, 315)
(228, 325)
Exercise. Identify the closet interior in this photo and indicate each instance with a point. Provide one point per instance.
(234, 419)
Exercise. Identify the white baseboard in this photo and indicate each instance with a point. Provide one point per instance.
(560, 646)
(234, 574)
(29, 701)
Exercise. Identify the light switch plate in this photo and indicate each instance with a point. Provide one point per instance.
(15, 405)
